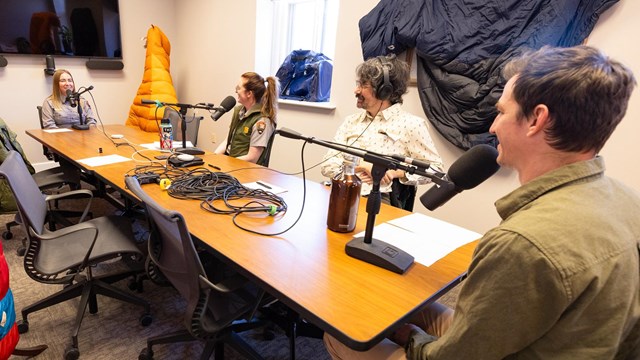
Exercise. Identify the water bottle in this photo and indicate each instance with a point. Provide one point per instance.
(344, 198)
(166, 134)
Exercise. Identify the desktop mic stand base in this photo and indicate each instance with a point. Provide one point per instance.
(379, 253)
(189, 150)
(80, 126)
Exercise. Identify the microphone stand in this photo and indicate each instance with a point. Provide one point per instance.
(183, 124)
(366, 248)
(81, 125)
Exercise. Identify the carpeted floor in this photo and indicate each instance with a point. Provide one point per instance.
(115, 332)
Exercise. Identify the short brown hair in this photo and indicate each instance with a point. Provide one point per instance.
(587, 93)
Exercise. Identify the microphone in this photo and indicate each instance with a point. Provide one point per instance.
(411, 161)
(471, 169)
(227, 104)
(291, 134)
(70, 98)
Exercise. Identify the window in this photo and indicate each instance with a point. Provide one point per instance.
(286, 25)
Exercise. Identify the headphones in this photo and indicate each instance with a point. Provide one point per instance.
(384, 90)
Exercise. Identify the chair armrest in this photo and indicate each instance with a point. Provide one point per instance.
(74, 194)
(227, 285)
(73, 230)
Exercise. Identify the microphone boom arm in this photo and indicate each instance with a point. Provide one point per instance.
(387, 161)
(377, 252)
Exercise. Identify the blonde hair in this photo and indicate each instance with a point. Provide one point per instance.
(57, 98)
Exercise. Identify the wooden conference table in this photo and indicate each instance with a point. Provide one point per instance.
(306, 267)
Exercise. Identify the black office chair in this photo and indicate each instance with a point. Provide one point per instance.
(192, 128)
(215, 303)
(45, 150)
(54, 179)
(402, 196)
(266, 153)
(66, 256)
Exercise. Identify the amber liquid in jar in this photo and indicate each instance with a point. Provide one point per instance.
(344, 199)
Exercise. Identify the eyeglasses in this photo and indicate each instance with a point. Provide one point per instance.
(361, 85)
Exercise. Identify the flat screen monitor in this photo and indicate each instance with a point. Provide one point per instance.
(84, 28)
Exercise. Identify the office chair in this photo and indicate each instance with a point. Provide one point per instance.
(53, 179)
(66, 256)
(266, 153)
(215, 304)
(45, 150)
(191, 134)
(402, 196)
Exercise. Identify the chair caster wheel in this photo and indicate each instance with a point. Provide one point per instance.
(21, 250)
(23, 326)
(145, 354)
(146, 319)
(7, 235)
(72, 353)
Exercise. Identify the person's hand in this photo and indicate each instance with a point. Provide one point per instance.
(401, 336)
(364, 173)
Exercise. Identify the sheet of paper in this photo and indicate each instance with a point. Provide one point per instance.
(58, 130)
(156, 145)
(445, 232)
(103, 160)
(425, 238)
(263, 185)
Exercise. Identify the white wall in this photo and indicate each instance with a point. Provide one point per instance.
(212, 44)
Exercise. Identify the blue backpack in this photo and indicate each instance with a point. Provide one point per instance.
(305, 75)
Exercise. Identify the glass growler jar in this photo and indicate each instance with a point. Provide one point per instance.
(344, 198)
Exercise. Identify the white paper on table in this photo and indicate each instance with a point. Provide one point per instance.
(442, 231)
(51, 131)
(103, 160)
(263, 185)
(423, 237)
(174, 145)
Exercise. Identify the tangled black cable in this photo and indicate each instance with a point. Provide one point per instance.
(221, 188)
(200, 184)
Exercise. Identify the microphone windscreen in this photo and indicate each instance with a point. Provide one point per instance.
(228, 103)
(69, 92)
(474, 166)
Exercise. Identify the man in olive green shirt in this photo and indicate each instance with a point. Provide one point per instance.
(559, 278)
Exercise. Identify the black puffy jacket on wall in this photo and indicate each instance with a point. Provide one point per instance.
(462, 46)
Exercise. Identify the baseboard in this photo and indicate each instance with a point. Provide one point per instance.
(97, 64)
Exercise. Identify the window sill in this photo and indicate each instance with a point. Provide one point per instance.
(317, 105)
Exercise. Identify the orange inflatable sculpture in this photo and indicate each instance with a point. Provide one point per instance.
(156, 83)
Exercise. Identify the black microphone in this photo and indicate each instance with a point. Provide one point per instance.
(411, 161)
(291, 134)
(471, 169)
(227, 104)
(70, 98)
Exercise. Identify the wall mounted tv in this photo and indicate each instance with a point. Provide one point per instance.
(84, 28)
